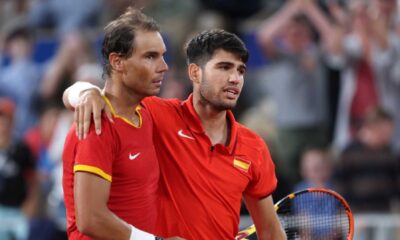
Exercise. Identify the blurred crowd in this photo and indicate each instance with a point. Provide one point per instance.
(322, 89)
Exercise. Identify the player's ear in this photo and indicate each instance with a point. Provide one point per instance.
(194, 72)
(116, 61)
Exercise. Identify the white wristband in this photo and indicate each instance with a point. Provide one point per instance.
(75, 91)
(137, 234)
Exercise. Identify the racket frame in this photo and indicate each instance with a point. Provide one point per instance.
(251, 229)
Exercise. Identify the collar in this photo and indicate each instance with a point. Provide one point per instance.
(193, 121)
(137, 110)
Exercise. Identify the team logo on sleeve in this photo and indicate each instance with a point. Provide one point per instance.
(241, 164)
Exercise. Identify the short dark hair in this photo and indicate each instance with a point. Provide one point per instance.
(376, 114)
(22, 32)
(120, 33)
(202, 47)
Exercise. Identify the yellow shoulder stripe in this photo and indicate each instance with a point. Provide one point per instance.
(94, 170)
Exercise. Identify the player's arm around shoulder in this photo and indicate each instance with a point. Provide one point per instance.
(265, 219)
(86, 99)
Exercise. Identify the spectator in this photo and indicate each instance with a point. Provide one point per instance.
(12, 12)
(316, 170)
(47, 140)
(367, 171)
(21, 72)
(295, 81)
(365, 54)
(394, 86)
(233, 11)
(51, 161)
(64, 16)
(17, 179)
(39, 139)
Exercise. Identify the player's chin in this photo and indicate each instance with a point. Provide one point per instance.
(231, 102)
(153, 91)
(230, 106)
(226, 105)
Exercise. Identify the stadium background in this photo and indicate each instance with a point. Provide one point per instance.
(292, 95)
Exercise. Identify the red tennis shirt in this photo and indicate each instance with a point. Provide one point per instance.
(202, 185)
(124, 155)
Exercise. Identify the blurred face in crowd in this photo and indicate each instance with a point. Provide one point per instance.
(315, 167)
(377, 134)
(385, 7)
(297, 36)
(19, 48)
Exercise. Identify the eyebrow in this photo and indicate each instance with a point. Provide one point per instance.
(155, 52)
(231, 64)
(151, 52)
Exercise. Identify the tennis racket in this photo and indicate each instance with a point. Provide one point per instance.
(313, 213)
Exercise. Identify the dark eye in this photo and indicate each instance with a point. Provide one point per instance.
(151, 56)
(225, 67)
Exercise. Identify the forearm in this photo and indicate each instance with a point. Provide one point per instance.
(51, 80)
(380, 33)
(334, 46)
(270, 231)
(104, 225)
(319, 20)
(265, 219)
(61, 65)
(274, 25)
(275, 232)
(30, 204)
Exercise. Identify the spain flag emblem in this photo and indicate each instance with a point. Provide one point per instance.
(242, 165)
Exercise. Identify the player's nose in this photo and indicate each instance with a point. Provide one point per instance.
(163, 67)
(235, 78)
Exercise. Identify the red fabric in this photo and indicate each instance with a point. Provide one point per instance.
(34, 141)
(365, 95)
(201, 188)
(134, 183)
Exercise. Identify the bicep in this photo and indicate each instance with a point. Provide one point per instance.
(91, 194)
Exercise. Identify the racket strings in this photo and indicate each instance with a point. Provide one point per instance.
(314, 215)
